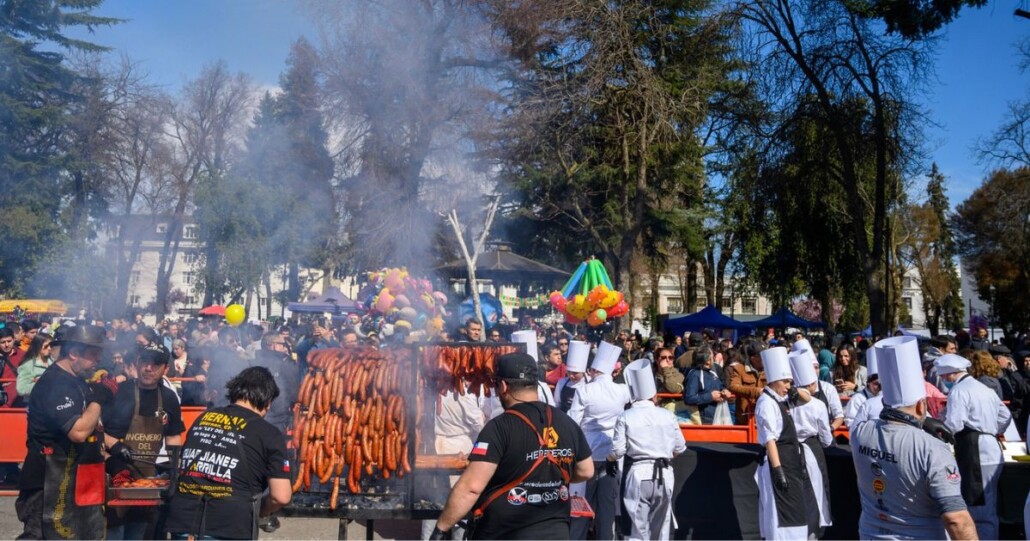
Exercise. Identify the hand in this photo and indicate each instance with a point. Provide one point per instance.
(201, 378)
(937, 429)
(716, 396)
(121, 451)
(611, 468)
(780, 478)
(439, 534)
(792, 394)
(100, 393)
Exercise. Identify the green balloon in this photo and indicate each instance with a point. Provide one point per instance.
(601, 314)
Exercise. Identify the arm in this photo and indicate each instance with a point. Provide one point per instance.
(86, 423)
(25, 380)
(1004, 417)
(584, 471)
(955, 413)
(693, 394)
(279, 494)
(467, 491)
(959, 525)
(773, 453)
(174, 441)
(619, 439)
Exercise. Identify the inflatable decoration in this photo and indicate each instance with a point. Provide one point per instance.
(589, 296)
(393, 299)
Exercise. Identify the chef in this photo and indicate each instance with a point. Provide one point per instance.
(977, 417)
(826, 392)
(813, 427)
(576, 368)
(596, 407)
(871, 390)
(787, 506)
(144, 415)
(61, 492)
(646, 438)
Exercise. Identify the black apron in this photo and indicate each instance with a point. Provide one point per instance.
(623, 521)
(816, 446)
(74, 490)
(823, 398)
(146, 434)
(796, 506)
(967, 455)
(568, 393)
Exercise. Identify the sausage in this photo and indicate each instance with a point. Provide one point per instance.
(299, 482)
(405, 465)
(336, 494)
(327, 471)
(366, 444)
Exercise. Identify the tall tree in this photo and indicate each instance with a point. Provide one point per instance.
(992, 233)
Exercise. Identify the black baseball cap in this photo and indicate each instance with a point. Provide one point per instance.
(153, 353)
(517, 366)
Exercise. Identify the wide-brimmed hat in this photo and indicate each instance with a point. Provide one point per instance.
(89, 335)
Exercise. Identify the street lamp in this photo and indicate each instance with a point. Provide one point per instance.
(990, 318)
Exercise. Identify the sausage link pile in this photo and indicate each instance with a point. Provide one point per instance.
(457, 368)
(350, 414)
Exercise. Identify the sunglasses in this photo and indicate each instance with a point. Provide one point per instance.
(663, 357)
(563, 343)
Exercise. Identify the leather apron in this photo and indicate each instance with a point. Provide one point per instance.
(146, 434)
(793, 508)
(74, 490)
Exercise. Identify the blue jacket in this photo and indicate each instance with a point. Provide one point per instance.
(698, 392)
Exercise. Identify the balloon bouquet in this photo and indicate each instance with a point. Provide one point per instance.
(589, 296)
(393, 299)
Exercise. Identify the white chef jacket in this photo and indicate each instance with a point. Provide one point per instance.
(855, 404)
(833, 404)
(767, 417)
(647, 431)
(811, 420)
(869, 411)
(596, 408)
(973, 405)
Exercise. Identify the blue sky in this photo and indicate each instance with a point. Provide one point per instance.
(977, 65)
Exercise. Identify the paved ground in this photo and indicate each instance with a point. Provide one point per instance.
(292, 528)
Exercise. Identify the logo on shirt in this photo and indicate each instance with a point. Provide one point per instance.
(550, 437)
(67, 404)
(517, 496)
(563, 493)
(879, 485)
(877, 469)
(550, 497)
(952, 474)
(534, 498)
(286, 466)
(480, 448)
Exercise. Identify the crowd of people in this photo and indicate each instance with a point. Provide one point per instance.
(795, 389)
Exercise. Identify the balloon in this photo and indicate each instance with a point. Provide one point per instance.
(401, 301)
(573, 319)
(408, 313)
(601, 315)
(558, 302)
(619, 310)
(384, 301)
(610, 300)
(235, 314)
(595, 297)
(395, 280)
(593, 321)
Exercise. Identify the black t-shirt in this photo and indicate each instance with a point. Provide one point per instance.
(538, 507)
(229, 455)
(55, 407)
(118, 414)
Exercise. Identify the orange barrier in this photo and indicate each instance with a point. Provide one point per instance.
(14, 425)
(717, 434)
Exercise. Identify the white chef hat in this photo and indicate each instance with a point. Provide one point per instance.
(777, 364)
(579, 353)
(606, 357)
(801, 368)
(804, 345)
(901, 372)
(528, 338)
(872, 367)
(950, 363)
(640, 379)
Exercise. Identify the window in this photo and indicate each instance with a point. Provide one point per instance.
(162, 229)
(134, 277)
(726, 303)
(908, 282)
(187, 278)
(189, 232)
(701, 305)
(189, 257)
(907, 301)
(134, 300)
(749, 306)
(675, 305)
(190, 301)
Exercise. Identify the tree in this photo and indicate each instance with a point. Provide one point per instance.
(37, 87)
(1009, 145)
(993, 237)
(913, 18)
(606, 98)
(818, 62)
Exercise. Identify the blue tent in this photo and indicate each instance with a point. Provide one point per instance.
(784, 318)
(708, 318)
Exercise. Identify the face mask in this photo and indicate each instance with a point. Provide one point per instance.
(948, 385)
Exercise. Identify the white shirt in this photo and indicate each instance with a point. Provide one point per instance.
(833, 402)
(868, 411)
(768, 417)
(647, 431)
(596, 408)
(461, 416)
(811, 420)
(973, 405)
(854, 405)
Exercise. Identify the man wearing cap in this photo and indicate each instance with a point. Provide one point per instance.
(977, 417)
(144, 415)
(62, 483)
(646, 438)
(812, 423)
(787, 506)
(908, 481)
(824, 391)
(517, 480)
(871, 390)
(596, 408)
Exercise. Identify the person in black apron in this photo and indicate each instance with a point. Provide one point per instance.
(813, 431)
(61, 492)
(144, 417)
(977, 417)
(230, 457)
(787, 505)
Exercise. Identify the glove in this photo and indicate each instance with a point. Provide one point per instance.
(100, 393)
(611, 468)
(780, 478)
(121, 451)
(439, 534)
(937, 429)
(792, 394)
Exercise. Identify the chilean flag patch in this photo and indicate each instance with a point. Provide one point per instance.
(286, 466)
(480, 448)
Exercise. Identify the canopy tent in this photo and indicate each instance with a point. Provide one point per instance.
(708, 318)
(503, 265)
(784, 318)
(213, 310)
(34, 306)
(332, 301)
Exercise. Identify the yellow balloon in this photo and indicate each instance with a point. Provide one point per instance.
(235, 314)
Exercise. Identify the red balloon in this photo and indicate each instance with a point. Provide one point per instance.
(619, 310)
(573, 320)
